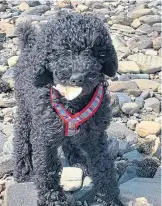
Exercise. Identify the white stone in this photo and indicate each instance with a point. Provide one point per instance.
(128, 67)
(136, 23)
(71, 178)
(82, 8)
(12, 61)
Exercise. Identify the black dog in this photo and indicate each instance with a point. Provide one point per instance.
(71, 50)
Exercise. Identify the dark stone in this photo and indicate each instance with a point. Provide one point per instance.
(147, 168)
(4, 86)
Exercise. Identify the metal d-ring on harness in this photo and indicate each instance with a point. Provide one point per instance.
(72, 122)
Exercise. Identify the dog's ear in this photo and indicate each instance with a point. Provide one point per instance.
(110, 64)
(106, 54)
(26, 33)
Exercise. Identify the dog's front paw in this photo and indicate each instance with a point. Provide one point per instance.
(55, 198)
(105, 200)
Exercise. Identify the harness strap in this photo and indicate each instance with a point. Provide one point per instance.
(72, 122)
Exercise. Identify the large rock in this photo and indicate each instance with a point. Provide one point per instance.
(153, 103)
(121, 19)
(146, 128)
(130, 108)
(148, 64)
(146, 84)
(123, 28)
(140, 42)
(71, 178)
(144, 29)
(128, 87)
(140, 12)
(150, 19)
(37, 10)
(128, 67)
(125, 137)
(25, 194)
(21, 194)
(6, 27)
(141, 192)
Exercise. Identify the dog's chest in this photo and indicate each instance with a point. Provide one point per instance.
(72, 120)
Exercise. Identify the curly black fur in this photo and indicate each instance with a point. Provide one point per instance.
(56, 52)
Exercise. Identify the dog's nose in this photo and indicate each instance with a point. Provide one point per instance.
(76, 78)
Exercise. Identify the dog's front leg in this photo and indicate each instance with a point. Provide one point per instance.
(101, 168)
(21, 144)
(47, 169)
(47, 137)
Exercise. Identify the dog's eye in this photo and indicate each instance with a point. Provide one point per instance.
(92, 76)
(62, 74)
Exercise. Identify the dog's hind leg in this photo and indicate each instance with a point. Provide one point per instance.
(21, 144)
(101, 167)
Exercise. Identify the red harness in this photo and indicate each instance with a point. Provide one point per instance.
(72, 122)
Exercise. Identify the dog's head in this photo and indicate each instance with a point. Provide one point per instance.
(72, 50)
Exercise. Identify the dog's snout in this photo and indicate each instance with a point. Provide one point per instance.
(76, 78)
